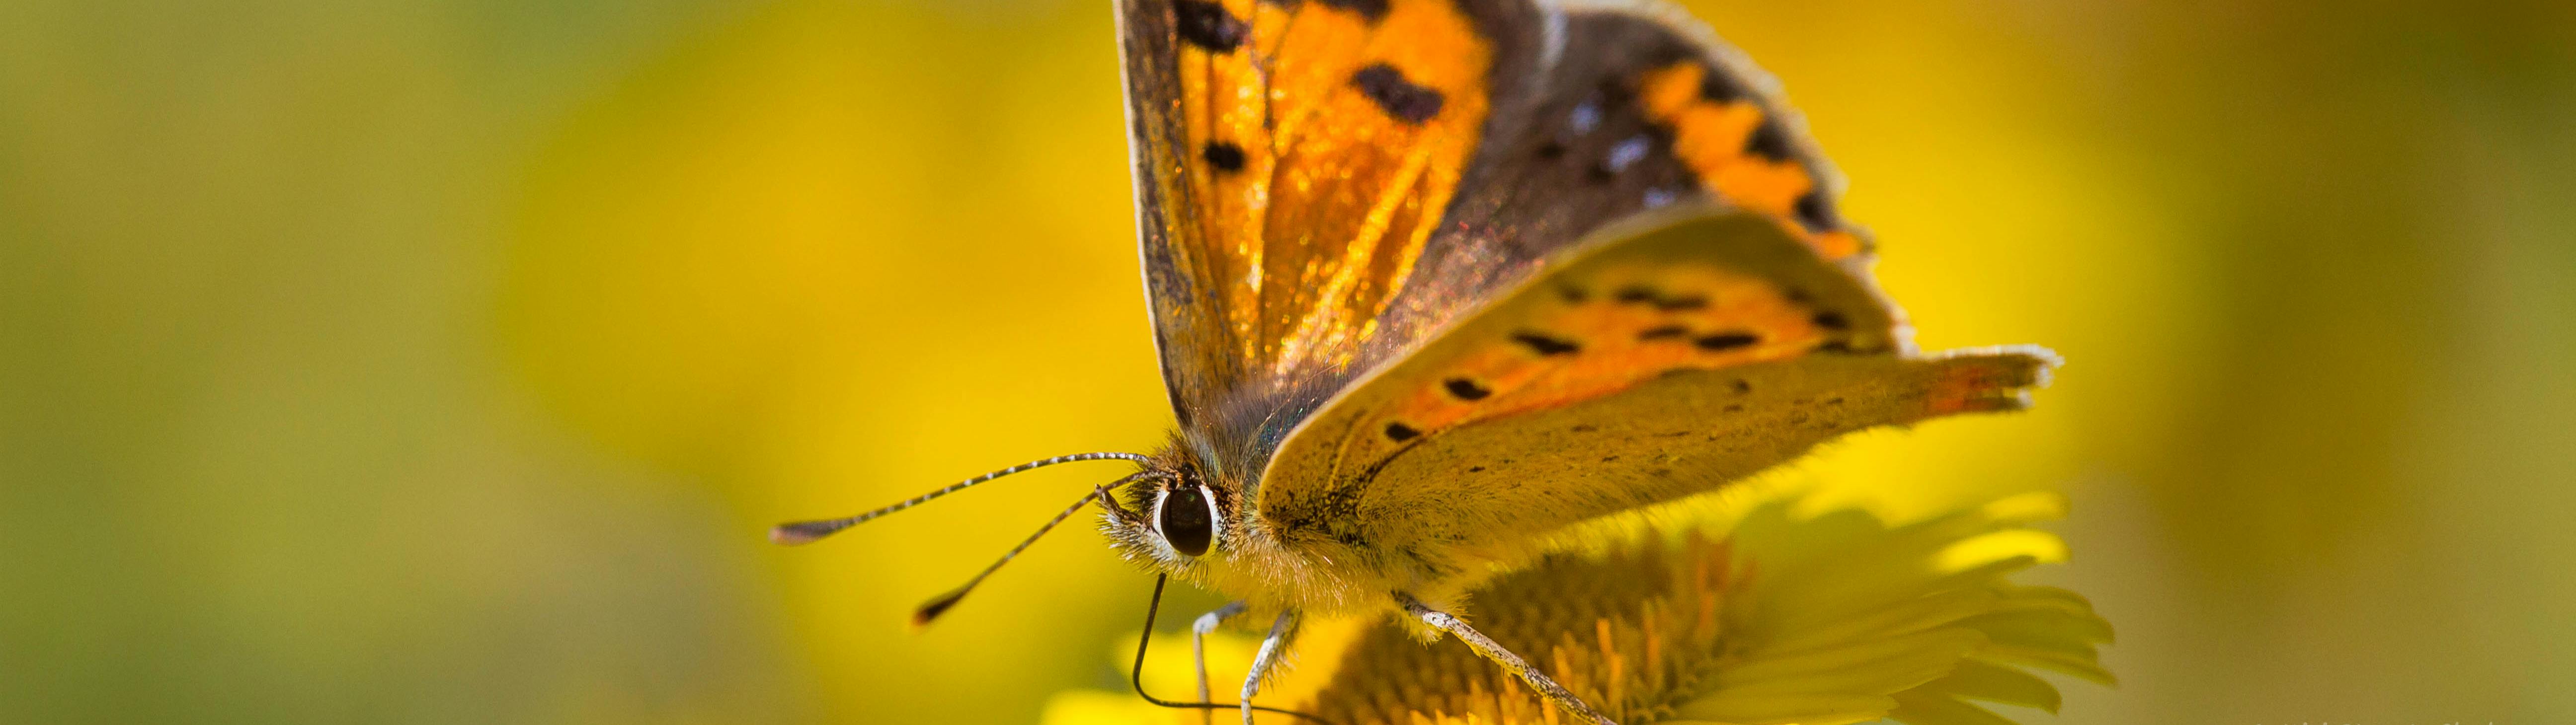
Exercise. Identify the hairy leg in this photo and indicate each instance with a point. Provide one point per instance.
(1198, 648)
(1484, 647)
(1282, 630)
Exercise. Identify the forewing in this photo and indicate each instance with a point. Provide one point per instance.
(1292, 162)
(1323, 183)
(1680, 351)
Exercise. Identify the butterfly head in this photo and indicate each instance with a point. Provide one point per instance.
(1174, 516)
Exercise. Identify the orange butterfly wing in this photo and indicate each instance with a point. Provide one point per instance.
(1322, 184)
(1674, 353)
(1294, 159)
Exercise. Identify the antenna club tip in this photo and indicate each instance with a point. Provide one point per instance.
(793, 534)
(930, 610)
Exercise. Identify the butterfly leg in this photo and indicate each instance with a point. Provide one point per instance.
(1486, 648)
(1282, 630)
(1198, 648)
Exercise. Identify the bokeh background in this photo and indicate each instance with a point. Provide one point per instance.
(443, 361)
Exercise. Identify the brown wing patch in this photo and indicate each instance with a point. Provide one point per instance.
(1326, 137)
(1739, 152)
(1636, 110)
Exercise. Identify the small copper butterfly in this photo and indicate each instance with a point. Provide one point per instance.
(1432, 279)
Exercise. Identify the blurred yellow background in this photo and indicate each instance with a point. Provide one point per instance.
(443, 361)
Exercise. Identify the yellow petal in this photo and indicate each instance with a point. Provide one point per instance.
(1762, 709)
(1922, 709)
(1992, 683)
(2039, 545)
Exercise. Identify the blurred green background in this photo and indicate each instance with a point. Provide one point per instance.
(443, 361)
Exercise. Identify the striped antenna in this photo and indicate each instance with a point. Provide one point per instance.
(802, 532)
(939, 605)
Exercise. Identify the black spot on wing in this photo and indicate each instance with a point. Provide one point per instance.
(1398, 97)
(1666, 332)
(1648, 296)
(1717, 87)
(1770, 141)
(1726, 341)
(1815, 211)
(1208, 26)
(1224, 155)
(1545, 345)
(1465, 389)
(1400, 432)
(1373, 10)
(1832, 320)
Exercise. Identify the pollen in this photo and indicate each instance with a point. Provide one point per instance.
(1628, 631)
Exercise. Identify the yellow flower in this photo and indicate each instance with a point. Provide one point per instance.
(1814, 620)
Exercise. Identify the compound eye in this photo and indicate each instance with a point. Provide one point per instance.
(1187, 520)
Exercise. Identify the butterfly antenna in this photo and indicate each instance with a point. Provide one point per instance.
(939, 605)
(802, 532)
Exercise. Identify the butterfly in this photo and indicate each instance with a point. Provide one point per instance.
(1434, 279)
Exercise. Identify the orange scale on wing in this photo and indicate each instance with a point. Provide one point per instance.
(1623, 327)
(1716, 134)
(1343, 134)
(1984, 383)
(1711, 138)
(1838, 244)
(1770, 187)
